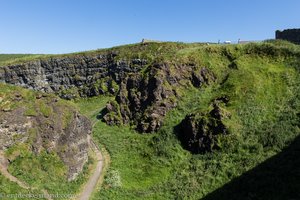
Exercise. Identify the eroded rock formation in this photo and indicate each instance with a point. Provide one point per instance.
(144, 91)
(145, 99)
(199, 131)
(78, 75)
(50, 126)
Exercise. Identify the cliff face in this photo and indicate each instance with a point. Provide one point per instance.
(144, 91)
(44, 123)
(146, 98)
(71, 76)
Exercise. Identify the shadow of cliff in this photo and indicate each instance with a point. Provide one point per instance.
(276, 178)
(101, 114)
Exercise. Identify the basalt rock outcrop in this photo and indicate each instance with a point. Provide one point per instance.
(145, 98)
(144, 91)
(48, 125)
(199, 131)
(78, 75)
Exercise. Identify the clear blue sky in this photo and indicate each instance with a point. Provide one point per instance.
(61, 26)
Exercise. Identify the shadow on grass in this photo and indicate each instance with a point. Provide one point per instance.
(101, 114)
(276, 178)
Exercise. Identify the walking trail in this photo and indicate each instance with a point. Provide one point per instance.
(93, 180)
(88, 188)
(9, 176)
(4, 172)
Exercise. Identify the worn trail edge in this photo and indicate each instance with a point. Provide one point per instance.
(4, 172)
(9, 176)
(93, 180)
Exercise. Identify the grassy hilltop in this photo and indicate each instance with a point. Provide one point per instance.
(262, 83)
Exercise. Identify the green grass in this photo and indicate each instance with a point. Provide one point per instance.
(11, 190)
(90, 107)
(262, 83)
(263, 90)
(165, 52)
(6, 59)
(130, 161)
(44, 171)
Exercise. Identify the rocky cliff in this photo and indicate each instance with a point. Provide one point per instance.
(43, 123)
(145, 99)
(71, 76)
(145, 89)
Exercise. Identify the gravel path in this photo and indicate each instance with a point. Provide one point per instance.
(92, 182)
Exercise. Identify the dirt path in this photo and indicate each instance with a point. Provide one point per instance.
(9, 176)
(93, 180)
(4, 172)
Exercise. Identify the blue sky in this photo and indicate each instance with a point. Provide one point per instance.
(62, 26)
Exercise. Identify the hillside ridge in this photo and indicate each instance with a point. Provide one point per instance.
(211, 112)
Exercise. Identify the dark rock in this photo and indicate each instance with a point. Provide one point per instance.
(204, 76)
(111, 114)
(198, 132)
(81, 73)
(197, 80)
(139, 93)
(18, 97)
(223, 99)
(146, 99)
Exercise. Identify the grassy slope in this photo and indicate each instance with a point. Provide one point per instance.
(9, 190)
(262, 83)
(6, 59)
(264, 106)
(11, 59)
(157, 51)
